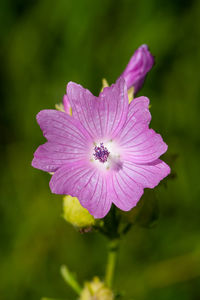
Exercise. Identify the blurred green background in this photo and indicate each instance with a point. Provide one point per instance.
(45, 44)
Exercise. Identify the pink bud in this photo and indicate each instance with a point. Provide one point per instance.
(139, 65)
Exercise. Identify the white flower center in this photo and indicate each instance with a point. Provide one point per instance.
(106, 155)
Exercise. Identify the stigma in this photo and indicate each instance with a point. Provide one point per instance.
(101, 153)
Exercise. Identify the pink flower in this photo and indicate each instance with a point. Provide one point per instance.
(139, 65)
(105, 153)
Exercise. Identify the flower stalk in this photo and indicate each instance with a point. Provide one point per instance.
(111, 263)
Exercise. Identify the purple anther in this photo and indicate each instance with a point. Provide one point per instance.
(101, 153)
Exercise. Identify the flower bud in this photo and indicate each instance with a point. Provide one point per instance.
(96, 290)
(139, 65)
(76, 214)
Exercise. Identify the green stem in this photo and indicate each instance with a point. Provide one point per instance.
(70, 279)
(111, 263)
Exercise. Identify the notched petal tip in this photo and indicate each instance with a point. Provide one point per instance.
(41, 116)
(119, 84)
(74, 88)
(168, 169)
(54, 188)
(33, 163)
(142, 100)
(38, 164)
(163, 173)
(70, 85)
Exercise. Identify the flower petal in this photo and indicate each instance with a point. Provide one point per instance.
(67, 141)
(139, 143)
(66, 105)
(139, 65)
(84, 182)
(103, 117)
(128, 184)
(139, 110)
(125, 190)
(144, 148)
(95, 196)
(148, 175)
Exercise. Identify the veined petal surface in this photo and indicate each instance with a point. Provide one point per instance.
(139, 143)
(128, 184)
(103, 117)
(85, 182)
(126, 191)
(148, 175)
(67, 141)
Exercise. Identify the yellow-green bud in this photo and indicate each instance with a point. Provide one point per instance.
(76, 214)
(96, 290)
